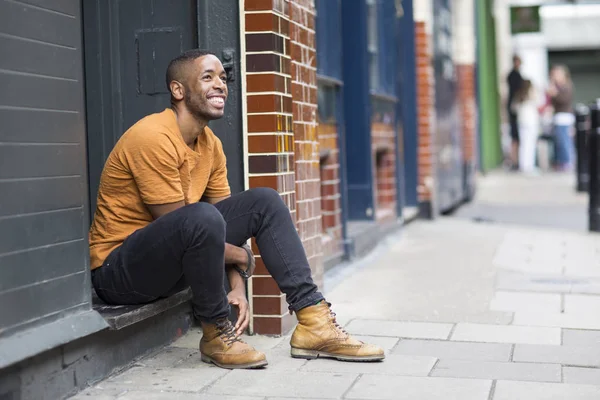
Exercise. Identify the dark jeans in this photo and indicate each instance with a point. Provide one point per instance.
(185, 248)
(514, 126)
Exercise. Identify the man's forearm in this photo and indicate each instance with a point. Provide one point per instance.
(235, 280)
(235, 255)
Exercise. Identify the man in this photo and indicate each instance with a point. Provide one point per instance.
(165, 220)
(514, 80)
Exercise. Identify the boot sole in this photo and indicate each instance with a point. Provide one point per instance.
(254, 365)
(313, 354)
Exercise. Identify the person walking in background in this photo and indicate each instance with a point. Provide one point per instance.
(525, 107)
(561, 95)
(514, 80)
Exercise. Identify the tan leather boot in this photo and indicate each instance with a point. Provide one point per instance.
(319, 335)
(220, 345)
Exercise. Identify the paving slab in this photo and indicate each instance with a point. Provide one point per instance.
(392, 365)
(566, 354)
(169, 357)
(162, 395)
(455, 350)
(95, 393)
(386, 343)
(505, 334)
(559, 320)
(574, 337)
(526, 301)
(192, 380)
(512, 390)
(284, 384)
(581, 303)
(589, 376)
(497, 370)
(419, 330)
(381, 387)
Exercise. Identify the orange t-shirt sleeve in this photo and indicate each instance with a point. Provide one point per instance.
(218, 185)
(154, 164)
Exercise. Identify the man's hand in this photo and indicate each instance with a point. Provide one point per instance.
(237, 297)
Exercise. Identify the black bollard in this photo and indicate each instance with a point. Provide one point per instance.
(594, 167)
(582, 113)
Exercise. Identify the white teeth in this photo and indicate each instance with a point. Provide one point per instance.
(216, 100)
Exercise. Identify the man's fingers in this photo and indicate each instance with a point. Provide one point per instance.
(243, 318)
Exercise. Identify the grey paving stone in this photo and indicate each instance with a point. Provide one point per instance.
(589, 376)
(386, 343)
(467, 332)
(525, 301)
(497, 370)
(419, 330)
(455, 350)
(169, 356)
(184, 379)
(569, 355)
(284, 384)
(163, 395)
(95, 393)
(560, 320)
(582, 303)
(191, 340)
(392, 365)
(381, 387)
(574, 337)
(512, 390)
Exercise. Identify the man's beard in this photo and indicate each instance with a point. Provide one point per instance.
(194, 105)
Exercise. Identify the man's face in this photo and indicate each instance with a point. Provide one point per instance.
(517, 63)
(206, 90)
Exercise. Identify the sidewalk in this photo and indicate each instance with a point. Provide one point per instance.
(465, 310)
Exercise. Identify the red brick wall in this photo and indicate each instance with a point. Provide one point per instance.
(467, 108)
(383, 142)
(331, 208)
(282, 143)
(304, 90)
(425, 114)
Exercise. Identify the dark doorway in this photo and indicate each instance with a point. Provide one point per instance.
(128, 45)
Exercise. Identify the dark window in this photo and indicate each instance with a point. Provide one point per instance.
(329, 38)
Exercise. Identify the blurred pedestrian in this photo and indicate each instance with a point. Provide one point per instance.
(560, 91)
(514, 80)
(526, 107)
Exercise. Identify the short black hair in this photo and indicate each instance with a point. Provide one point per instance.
(177, 66)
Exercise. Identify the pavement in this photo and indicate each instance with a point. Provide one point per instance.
(465, 310)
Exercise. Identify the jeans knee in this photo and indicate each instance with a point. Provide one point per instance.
(204, 217)
(267, 195)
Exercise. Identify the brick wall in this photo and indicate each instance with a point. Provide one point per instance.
(384, 156)
(304, 91)
(425, 119)
(331, 208)
(467, 109)
(282, 143)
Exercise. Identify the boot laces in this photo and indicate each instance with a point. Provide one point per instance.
(227, 332)
(333, 320)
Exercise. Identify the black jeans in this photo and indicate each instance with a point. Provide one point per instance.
(186, 247)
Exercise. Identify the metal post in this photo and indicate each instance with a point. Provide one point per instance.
(594, 168)
(582, 126)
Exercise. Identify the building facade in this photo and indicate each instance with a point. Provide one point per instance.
(362, 115)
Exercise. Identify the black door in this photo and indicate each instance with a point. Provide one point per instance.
(128, 45)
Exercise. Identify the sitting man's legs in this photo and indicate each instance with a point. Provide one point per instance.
(186, 248)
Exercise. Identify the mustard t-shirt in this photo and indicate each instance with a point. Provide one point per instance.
(151, 164)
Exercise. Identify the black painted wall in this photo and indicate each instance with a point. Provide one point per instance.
(44, 265)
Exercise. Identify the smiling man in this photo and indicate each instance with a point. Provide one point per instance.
(165, 221)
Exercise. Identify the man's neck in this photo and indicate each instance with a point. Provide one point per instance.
(190, 126)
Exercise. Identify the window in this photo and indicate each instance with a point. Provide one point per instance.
(373, 44)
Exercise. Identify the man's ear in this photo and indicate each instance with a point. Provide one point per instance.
(177, 90)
